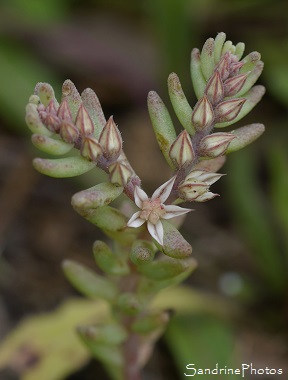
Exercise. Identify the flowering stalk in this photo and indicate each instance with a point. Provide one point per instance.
(131, 274)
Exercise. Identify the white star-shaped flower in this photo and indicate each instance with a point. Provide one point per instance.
(152, 210)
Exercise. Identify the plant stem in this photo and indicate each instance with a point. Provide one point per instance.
(131, 358)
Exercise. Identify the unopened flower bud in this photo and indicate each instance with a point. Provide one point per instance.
(215, 145)
(224, 65)
(235, 67)
(111, 141)
(229, 109)
(83, 122)
(233, 85)
(52, 122)
(119, 174)
(203, 115)
(90, 148)
(181, 151)
(51, 108)
(68, 132)
(190, 191)
(64, 111)
(214, 89)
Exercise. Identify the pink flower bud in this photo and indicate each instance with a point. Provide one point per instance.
(203, 115)
(235, 67)
(64, 111)
(214, 89)
(215, 145)
(119, 174)
(228, 110)
(233, 85)
(111, 141)
(51, 108)
(83, 121)
(68, 132)
(224, 66)
(90, 148)
(181, 151)
(52, 122)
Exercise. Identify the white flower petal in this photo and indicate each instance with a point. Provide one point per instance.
(173, 211)
(140, 196)
(206, 197)
(210, 178)
(135, 221)
(156, 231)
(164, 190)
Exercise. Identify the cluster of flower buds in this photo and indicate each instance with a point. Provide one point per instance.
(224, 85)
(59, 128)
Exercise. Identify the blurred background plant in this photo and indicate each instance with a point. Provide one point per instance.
(122, 50)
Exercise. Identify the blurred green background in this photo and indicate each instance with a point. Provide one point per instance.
(123, 49)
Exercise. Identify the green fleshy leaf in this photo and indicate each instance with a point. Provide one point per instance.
(93, 106)
(45, 92)
(228, 47)
(129, 303)
(180, 103)
(87, 282)
(51, 339)
(174, 243)
(108, 261)
(207, 58)
(110, 334)
(239, 50)
(34, 122)
(167, 268)
(198, 80)
(245, 136)
(71, 94)
(252, 97)
(150, 322)
(95, 197)
(162, 124)
(112, 222)
(50, 145)
(218, 43)
(142, 252)
(250, 62)
(63, 167)
(251, 79)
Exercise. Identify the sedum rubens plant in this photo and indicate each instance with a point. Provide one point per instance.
(224, 85)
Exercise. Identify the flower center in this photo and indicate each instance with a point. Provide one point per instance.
(152, 210)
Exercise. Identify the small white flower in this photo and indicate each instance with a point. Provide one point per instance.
(153, 210)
